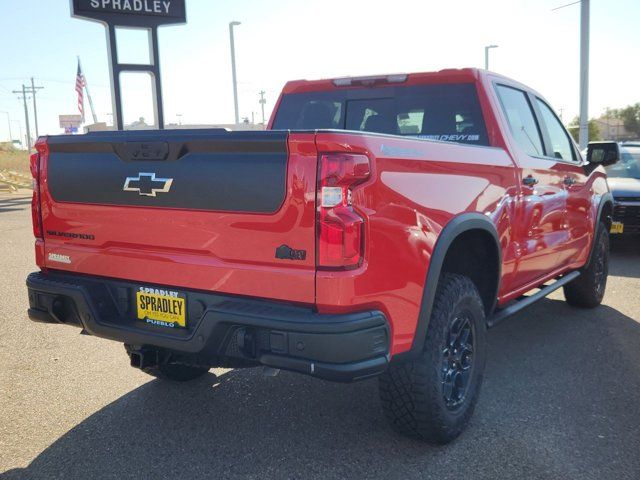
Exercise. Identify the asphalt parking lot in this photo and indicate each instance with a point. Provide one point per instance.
(561, 399)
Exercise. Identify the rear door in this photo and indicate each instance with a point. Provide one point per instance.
(540, 232)
(207, 210)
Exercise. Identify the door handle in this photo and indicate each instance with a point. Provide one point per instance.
(569, 181)
(530, 181)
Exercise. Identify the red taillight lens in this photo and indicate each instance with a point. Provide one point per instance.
(35, 162)
(340, 228)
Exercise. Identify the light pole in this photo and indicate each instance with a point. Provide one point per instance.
(583, 132)
(179, 117)
(262, 102)
(8, 123)
(486, 55)
(233, 70)
(583, 136)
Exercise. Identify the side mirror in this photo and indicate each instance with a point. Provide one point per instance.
(603, 153)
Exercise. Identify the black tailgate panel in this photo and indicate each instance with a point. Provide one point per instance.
(208, 169)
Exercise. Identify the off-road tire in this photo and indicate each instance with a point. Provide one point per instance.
(413, 392)
(588, 289)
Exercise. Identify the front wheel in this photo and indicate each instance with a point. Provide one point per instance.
(588, 289)
(433, 396)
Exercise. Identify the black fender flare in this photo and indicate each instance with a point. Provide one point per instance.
(456, 226)
(607, 198)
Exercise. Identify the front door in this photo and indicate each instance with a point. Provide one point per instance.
(540, 231)
(575, 181)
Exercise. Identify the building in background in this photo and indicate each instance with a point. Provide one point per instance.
(612, 128)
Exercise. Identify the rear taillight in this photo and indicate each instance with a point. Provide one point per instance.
(35, 162)
(340, 227)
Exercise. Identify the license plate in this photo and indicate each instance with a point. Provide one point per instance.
(617, 227)
(163, 308)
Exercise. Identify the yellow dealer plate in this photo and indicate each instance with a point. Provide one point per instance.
(163, 308)
(617, 227)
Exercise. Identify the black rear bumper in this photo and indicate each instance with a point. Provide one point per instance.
(222, 330)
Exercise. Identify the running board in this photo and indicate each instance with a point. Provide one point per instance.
(501, 314)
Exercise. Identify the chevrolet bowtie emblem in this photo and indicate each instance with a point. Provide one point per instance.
(147, 184)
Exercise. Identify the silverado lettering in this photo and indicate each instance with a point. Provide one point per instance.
(82, 236)
(406, 249)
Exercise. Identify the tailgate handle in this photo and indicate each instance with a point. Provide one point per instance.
(134, 151)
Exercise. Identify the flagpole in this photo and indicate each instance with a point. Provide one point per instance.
(86, 87)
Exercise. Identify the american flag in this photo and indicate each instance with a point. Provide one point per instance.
(80, 84)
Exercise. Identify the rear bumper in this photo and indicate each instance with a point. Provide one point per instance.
(222, 330)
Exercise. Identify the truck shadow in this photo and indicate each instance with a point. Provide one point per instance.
(625, 256)
(9, 204)
(560, 399)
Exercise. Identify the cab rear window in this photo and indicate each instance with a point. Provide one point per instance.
(448, 112)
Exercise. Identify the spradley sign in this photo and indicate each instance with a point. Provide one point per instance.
(133, 13)
(140, 14)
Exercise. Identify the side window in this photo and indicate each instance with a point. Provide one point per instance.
(560, 142)
(521, 119)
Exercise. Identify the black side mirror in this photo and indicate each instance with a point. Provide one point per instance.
(603, 153)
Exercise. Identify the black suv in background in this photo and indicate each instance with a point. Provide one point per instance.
(624, 182)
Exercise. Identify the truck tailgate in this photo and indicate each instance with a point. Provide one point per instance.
(203, 209)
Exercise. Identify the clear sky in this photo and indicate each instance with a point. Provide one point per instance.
(290, 39)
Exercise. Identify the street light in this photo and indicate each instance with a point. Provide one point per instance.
(486, 55)
(8, 123)
(233, 70)
(179, 116)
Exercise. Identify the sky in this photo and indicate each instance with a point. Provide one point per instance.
(282, 40)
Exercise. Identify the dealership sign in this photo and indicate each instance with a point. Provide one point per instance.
(69, 121)
(140, 14)
(132, 13)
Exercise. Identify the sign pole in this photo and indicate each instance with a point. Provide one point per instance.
(114, 74)
(156, 78)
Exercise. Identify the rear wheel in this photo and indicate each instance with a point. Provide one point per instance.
(433, 396)
(588, 289)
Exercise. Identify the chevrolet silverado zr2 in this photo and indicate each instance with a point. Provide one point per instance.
(378, 228)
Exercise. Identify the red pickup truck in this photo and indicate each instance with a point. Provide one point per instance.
(378, 228)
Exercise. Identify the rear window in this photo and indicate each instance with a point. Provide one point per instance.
(448, 112)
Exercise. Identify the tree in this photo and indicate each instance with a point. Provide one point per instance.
(630, 117)
(594, 130)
